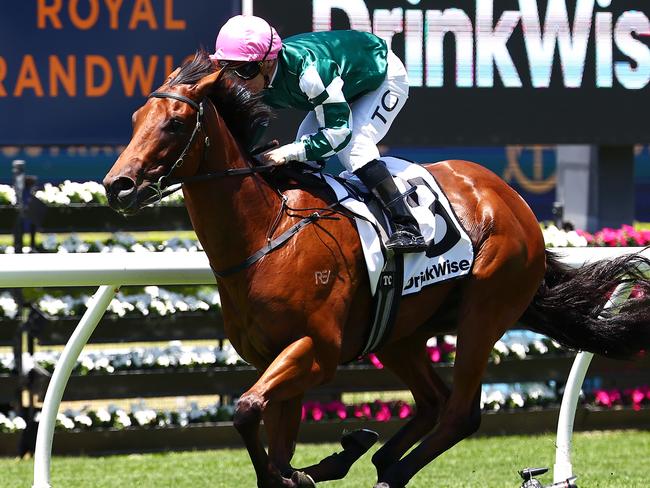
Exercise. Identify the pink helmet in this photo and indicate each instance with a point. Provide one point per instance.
(247, 38)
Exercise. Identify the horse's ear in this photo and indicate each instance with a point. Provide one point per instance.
(173, 75)
(206, 83)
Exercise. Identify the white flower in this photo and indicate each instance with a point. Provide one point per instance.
(519, 350)
(65, 421)
(496, 396)
(501, 348)
(539, 346)
(83, 419)
(576, 240)
(103, 415)
(7, 194)
(145, 417)
(19, 423)
(122, 418)
(517, 399)
(8, 305)
(554, 237)
(163, 361)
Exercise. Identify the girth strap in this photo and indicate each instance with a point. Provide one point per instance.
(270, 247)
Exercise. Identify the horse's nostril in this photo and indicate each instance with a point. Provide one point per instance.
(123, 187)
(125, 193)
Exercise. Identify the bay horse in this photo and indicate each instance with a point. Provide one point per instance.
(199, 127)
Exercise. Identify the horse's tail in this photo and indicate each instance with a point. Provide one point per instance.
(569, 306)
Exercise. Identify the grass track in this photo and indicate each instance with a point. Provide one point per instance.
(607, 459)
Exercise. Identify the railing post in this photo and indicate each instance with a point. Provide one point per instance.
(43, 453)
(563, 469)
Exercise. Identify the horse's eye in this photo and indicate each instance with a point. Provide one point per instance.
(174, 125)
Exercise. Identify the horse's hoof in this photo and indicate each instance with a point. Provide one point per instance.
(381, 485)
(361, 438)
(302, 480)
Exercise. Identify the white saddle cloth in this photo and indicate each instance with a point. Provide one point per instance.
(450, 254)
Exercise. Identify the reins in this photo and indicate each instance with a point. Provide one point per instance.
(165, 186)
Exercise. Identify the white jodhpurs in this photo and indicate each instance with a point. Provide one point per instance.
(372, 116)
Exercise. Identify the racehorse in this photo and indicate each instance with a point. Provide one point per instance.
(199, 127)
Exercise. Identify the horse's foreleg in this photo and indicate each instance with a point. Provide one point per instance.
(295, 370)
(409, 360)
(282, 422)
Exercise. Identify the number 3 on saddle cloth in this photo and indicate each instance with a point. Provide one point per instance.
(450, 254)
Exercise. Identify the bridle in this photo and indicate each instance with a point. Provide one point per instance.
(165, 185)
(162, 188)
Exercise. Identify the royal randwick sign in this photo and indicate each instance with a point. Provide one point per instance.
(73, 71)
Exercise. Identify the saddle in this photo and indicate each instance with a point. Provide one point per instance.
(449, 254)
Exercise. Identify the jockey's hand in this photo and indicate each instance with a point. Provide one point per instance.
(284, 154)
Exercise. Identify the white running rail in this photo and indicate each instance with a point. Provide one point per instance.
(110, 272)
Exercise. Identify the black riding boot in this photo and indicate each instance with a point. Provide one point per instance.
(407, 236)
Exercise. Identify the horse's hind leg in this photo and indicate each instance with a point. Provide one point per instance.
(409, 360)
(335, 466)
(461, 414)
(493, 300)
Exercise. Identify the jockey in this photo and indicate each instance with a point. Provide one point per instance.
(351, 84)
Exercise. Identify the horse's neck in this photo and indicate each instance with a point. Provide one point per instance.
(230, 215)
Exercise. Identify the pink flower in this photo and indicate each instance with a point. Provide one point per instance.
(358, 412)
(317, 413)
(638, 395)
(362, 411)
(375, 361)
(435, 354)
(383, 414)
(404, 410)
(447, 347)
(337, 409)
(602, 398)
(589, 237)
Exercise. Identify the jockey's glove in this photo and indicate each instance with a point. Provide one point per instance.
(284, 154)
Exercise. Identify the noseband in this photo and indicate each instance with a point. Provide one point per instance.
(161, 188)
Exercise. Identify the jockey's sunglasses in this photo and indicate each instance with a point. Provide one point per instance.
(248, 70)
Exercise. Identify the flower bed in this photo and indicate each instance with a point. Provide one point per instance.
(175, 356)
(626, 236)
(141, 416)
(89, 192)
(636, 398)
(153, 302)
(118, 242)
(513, 345)
(171, 358)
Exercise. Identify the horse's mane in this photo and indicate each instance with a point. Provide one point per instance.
(245, 113)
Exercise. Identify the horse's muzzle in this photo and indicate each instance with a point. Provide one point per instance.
(122, 194)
